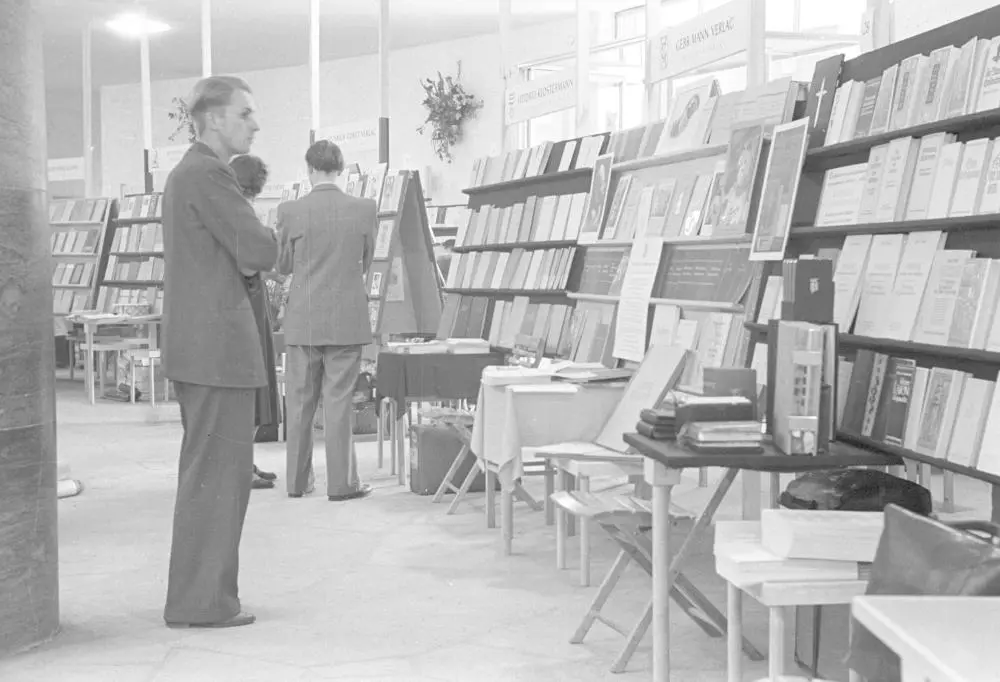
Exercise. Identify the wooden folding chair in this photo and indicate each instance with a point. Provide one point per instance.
(627, 520)
(461, 423)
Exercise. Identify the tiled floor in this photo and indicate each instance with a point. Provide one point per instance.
(388, 588)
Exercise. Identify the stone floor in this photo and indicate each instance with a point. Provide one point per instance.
(388, 588)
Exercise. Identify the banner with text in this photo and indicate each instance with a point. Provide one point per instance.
(540, 96)
(357, 139)
(66, 170)
(714, 35)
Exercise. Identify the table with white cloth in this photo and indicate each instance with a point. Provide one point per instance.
(523, 408)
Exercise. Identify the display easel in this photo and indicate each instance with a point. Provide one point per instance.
(404, 290)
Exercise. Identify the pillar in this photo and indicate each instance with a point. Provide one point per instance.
(29, 587)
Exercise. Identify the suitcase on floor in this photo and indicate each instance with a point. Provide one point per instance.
(433, 449)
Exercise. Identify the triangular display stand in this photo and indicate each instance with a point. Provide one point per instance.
(404, 288)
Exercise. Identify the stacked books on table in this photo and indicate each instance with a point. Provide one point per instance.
(658, 424)
(450, 346)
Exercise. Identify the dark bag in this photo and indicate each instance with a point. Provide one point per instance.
(918, 555)
(855, 490)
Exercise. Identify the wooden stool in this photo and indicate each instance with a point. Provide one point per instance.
(627, 520)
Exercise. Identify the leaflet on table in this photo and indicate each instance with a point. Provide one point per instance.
(633, 307)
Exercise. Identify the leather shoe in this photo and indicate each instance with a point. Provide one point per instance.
(266, 475)
(307, 491)
(364, 490)
(261, 483)
(240, 619)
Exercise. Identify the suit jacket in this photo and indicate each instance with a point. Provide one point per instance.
(210, 232)
(327, 244)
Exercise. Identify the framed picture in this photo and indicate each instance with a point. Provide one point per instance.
(781, 183)
(597, 200)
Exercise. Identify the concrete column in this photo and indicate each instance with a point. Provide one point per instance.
(29, 584)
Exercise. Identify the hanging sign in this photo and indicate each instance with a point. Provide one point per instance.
(540, 96)
(66, 170)
(713, 35)
(359, 137)
(164, 159)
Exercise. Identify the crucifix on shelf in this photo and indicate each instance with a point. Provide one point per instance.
(820, 94)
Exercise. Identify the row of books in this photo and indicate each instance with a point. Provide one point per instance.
(83, 241)
(533, 161)
(66, 301)
(937, 412)
(949, 82)
(538, 219)
(110, 298)
(910, 288)
(537, 270)
(914, 179)
(73, 274)
(78, 211)
(138, 239)
(141, 206)
(366, 184)
(149, 269)
(549, 322)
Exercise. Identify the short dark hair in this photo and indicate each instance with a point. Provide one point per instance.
(251, 174)
(324, 156)
(210, 93)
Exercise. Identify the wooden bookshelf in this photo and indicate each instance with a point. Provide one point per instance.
(975, 232)
(79, 243)
(510, 246)
(508, 292)
(132, 273)
(704, 152)
(575, 174)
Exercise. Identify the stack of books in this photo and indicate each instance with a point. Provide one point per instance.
(658, 424)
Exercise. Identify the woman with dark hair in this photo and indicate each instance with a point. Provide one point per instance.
(251, 174)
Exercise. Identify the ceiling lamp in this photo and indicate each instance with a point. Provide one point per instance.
(136, 25)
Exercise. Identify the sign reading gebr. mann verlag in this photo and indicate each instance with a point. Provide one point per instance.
(714, 35)
(360, 137)
(540, 96)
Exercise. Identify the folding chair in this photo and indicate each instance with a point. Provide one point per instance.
(461, 423)
(627, 520)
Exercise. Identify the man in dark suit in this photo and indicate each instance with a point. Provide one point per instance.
(212, 353)
(327, 244)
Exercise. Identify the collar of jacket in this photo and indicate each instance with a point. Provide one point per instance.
(325, 186)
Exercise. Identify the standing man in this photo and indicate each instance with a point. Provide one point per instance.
(212, 353)
(327, 244)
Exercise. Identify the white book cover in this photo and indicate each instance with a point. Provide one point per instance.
(989, 85)
(976, 303)
(986, 306)
(840, 198)
(916, 409)
(969, 185)
(880, 277)
(937, 310)
(911, 281)
(920, 85)
(770, 302)
(853, 110)
(970, 422)
(923, 176)
(869, 198)
(905, 94)
(988, 460)
(989, 201)
(883, 104)
(982, 52)
(960, 82)
(933, 86)
(847, 279)
(690, 119)
(900, 162)
(837, 113)
(937, 419)
(949, 162)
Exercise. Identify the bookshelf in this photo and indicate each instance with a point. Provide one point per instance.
(403, 284)
(79, 239)
(892, 281)
(133, 272)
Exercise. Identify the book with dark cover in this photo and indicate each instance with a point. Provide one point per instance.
(867, 112)
(857, 392)
(826, 76)
(890, 420)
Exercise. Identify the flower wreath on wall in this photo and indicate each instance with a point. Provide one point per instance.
(182, 118)
(449, 106)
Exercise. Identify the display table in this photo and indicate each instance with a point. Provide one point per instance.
(92, 322)
(938, 639)
(662, 469)
(524, 409)
(404, 378)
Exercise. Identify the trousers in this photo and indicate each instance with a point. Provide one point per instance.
(331, 372)
(213, 490)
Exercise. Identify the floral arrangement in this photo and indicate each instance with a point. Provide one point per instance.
(182, 118)
(276, 287)
(448, 106)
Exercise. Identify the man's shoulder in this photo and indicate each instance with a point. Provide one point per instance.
(362, 204)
